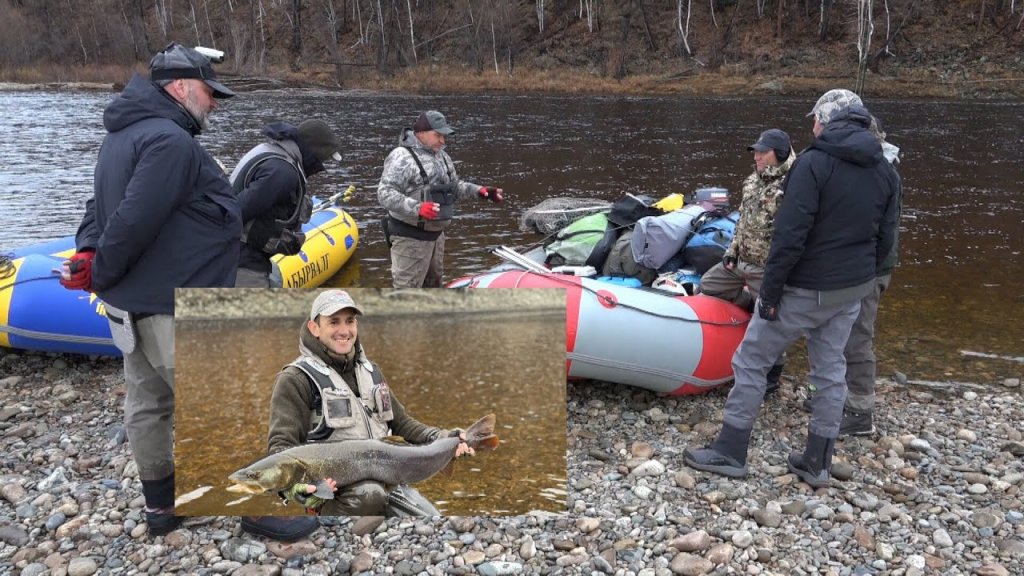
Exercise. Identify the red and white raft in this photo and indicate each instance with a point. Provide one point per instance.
(667, 343)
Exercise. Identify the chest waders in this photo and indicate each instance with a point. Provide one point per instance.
(277, 230)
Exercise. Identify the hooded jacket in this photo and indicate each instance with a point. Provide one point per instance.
(292, 414)
(162, 215)
(402, 188)
(762, 195)
(839, 217)
(271, 191)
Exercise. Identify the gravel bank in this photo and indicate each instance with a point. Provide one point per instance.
(937, 491)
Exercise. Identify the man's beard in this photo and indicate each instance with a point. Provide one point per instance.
(200, 115)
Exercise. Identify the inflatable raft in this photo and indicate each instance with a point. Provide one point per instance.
(37, 313)
(667, 343)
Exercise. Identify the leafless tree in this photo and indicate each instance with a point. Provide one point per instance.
(865, 29)
(540, 16)
(684, 31)
(412, 35)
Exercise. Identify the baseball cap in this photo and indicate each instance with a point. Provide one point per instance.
(320, 139)
(833, 101)
(432, 120)
(330, 301)
(773, 139)
(176, 61)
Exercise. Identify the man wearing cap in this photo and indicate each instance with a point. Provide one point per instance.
(332, 393)
(859, 352)
(270, 181)
(162, 216)
(837, 222)
(419, 188)
(744, 260)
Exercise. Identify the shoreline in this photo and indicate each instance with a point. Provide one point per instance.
(912, 84)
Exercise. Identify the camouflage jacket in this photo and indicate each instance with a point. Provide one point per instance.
(402, 188)
(762, 195)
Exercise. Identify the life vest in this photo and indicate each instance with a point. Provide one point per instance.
(274, 232)
(342, 415)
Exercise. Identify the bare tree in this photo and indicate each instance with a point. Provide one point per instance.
(540, 15)
(684, 32)
(412, 35)
(865, 29)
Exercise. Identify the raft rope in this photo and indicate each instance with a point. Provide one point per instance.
(610, 302)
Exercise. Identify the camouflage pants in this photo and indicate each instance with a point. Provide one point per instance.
(860, 351)
(149, 397)
(417, 263)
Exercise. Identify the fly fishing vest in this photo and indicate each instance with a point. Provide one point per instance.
(443, 194)
(276, 231)
(338, 413)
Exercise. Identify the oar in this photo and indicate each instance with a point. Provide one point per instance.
(339, 198)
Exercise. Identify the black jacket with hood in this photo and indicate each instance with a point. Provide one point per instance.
(273, 191)
(838, 220)
(162, 215)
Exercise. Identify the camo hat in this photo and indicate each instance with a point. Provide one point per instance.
(832, 102)
(432, 120)
(177, 61)
(330, 301)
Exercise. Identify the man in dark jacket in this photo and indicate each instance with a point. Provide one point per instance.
(162, 216)
(837, 222)
(270, 181)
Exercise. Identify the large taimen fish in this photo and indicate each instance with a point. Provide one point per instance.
(352, 461)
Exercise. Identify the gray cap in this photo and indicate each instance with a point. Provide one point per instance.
(330, 301)
(177, 61)
(832, 102)
(321, 140)
(432, 120)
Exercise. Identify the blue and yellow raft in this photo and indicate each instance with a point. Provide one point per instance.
(37, 313)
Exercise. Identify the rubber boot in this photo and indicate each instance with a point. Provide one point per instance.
(856, 424)
(814, 466)
(159, 495)
(281, 528)
(726, 456)
(773, 380)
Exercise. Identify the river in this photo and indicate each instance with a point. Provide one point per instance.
(955, 308)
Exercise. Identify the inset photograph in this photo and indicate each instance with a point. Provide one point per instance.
(370, 402)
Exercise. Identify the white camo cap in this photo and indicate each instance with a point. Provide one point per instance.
(330, 301)
(832, 102)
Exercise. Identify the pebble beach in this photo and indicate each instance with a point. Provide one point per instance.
(939, 490)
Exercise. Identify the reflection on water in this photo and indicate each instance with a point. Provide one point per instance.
(448, 370)
(957, 287)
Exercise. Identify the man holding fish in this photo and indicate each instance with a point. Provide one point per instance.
(332, 393)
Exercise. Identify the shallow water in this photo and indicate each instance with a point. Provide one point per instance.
(957, 288)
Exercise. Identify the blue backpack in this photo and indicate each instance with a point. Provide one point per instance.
(708, 244)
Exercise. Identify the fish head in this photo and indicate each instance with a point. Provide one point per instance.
(266, 475)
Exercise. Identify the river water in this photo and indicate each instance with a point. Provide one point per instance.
(955, 295)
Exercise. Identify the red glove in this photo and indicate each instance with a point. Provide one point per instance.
(430, 210)
(491, 193)
(79, 271)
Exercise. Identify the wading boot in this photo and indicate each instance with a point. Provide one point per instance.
(814, 466)
(281, 528)
(162, 521)
(773, 380)
(856, 424)
(726, 456)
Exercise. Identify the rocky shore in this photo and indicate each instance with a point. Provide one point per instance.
(940, 490)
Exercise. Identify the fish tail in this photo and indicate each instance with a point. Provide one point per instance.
(480, 435)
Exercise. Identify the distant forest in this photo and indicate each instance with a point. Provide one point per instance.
(614, 39)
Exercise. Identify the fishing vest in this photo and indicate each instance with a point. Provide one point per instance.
(443, 193)
(274, 232)
(337, 413)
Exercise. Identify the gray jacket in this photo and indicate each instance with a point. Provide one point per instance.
(402, 187)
